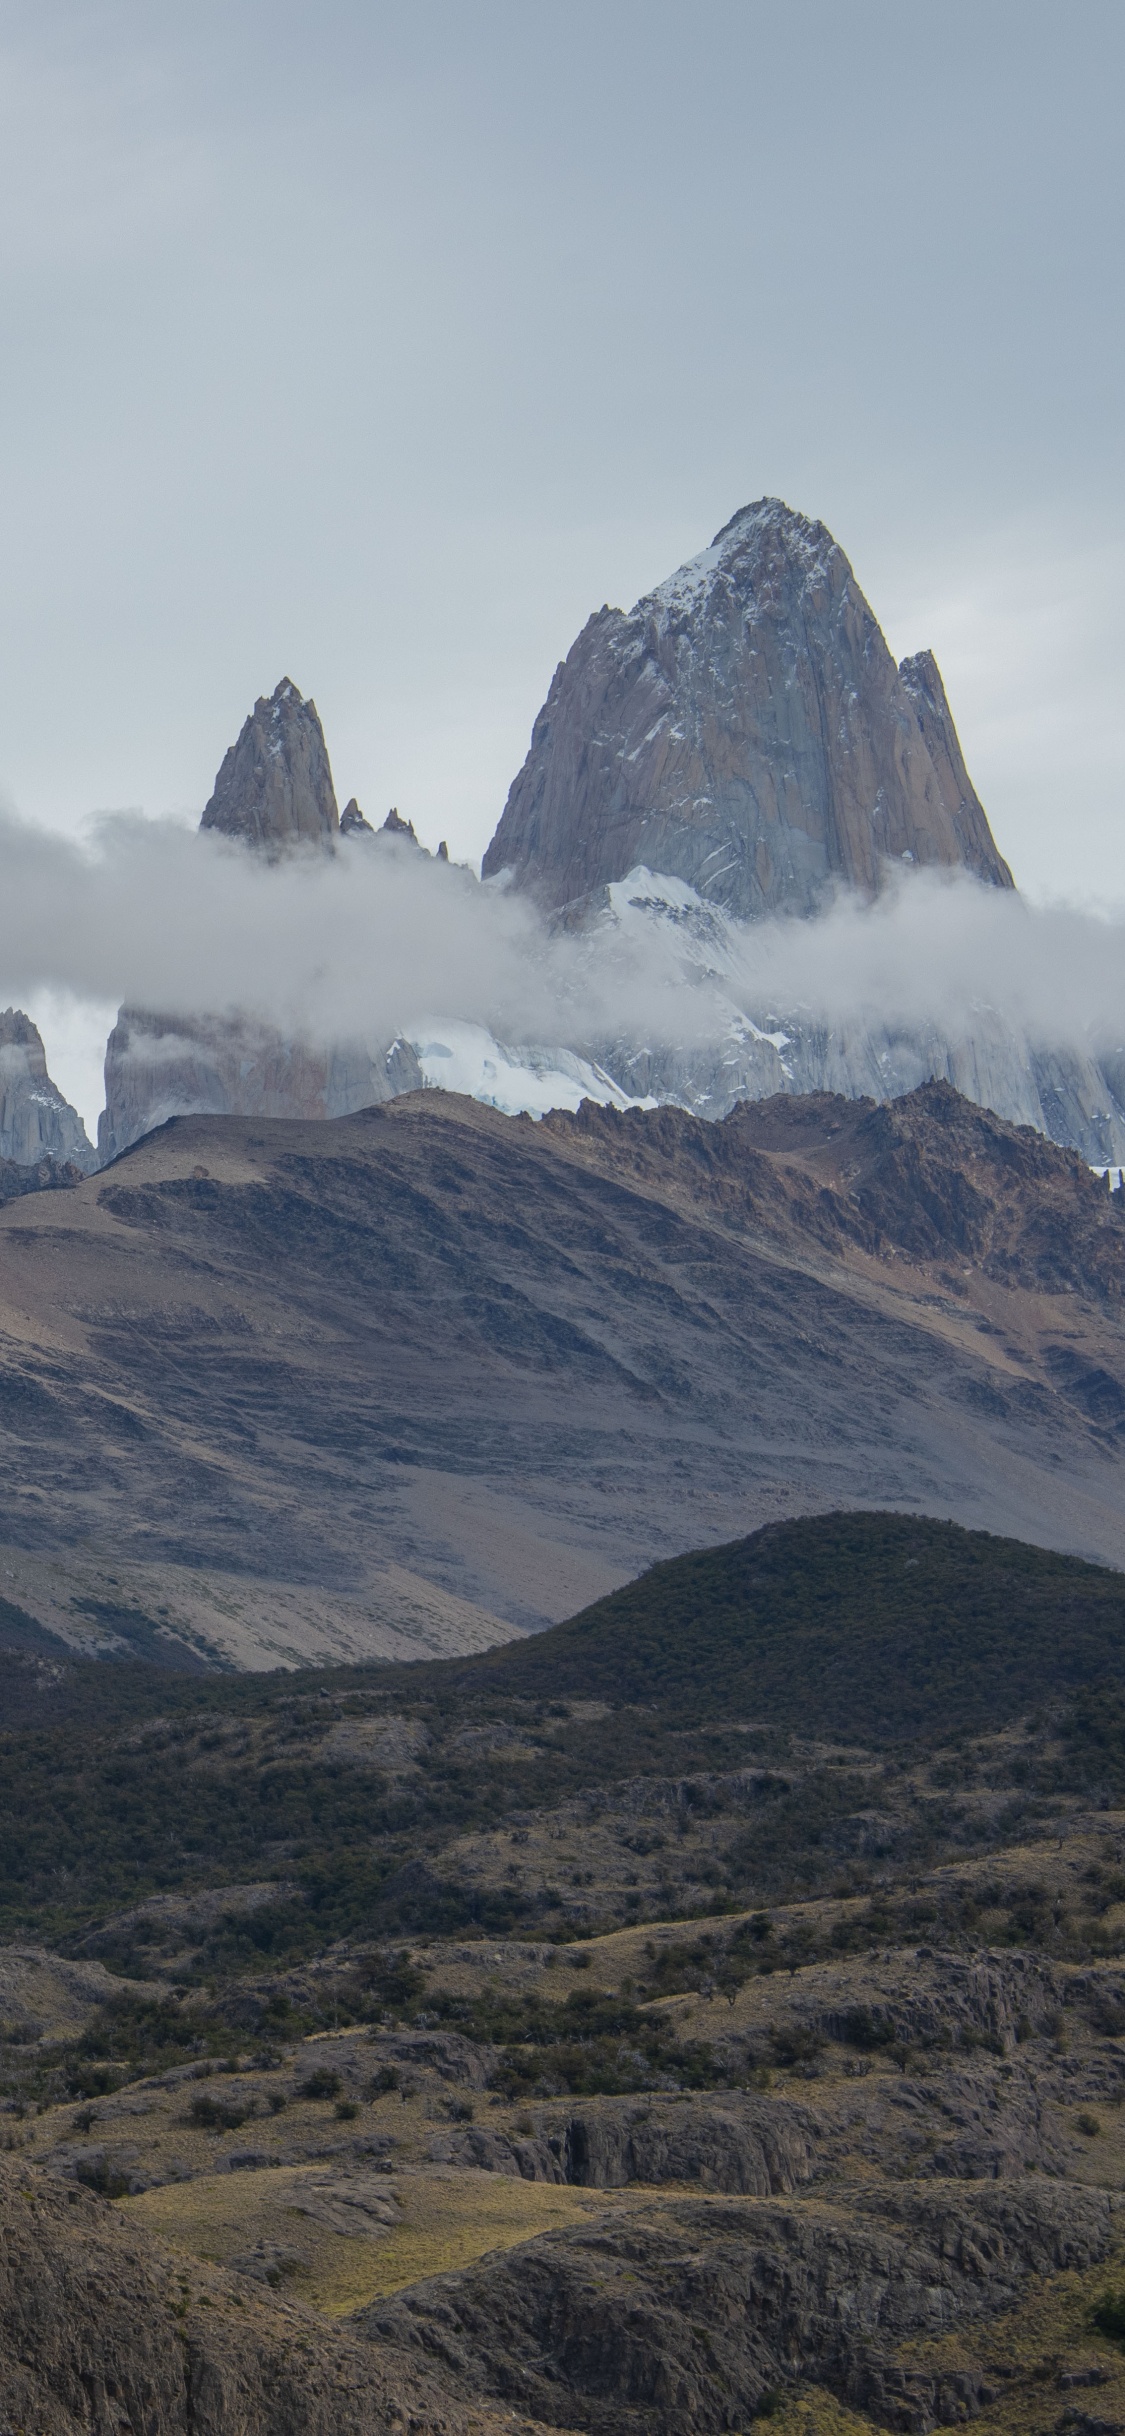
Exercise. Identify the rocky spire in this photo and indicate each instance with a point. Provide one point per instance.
(274, 788)
(743, 728)
(35, 1120)
(352, 822)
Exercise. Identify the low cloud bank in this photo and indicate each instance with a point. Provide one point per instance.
(379, 940)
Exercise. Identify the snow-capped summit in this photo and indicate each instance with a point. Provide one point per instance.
(744, 728)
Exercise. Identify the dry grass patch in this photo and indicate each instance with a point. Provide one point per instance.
(815, 2413)
(443, 2220)
(450, 2219)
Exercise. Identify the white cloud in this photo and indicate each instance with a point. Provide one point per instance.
(379, 940)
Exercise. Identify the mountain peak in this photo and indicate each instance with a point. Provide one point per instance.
(274, 787)
(743, 728)
(764, 532)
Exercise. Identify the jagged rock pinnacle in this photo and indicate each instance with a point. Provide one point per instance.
(274, 788)
(352, 822)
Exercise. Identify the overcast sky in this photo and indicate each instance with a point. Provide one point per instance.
(378, 344)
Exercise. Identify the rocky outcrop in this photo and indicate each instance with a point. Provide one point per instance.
(921, 681)
(930, 1176)
(161, 1066)
(743, 728)
(274, 789)
(734, 2144)
(654, 2325)
(36, 1122)
(753, 1050)
(1063, 1093)
(46, 1176)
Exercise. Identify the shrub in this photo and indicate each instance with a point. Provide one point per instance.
(860, 2027)
(323, 2083)
(99, 2174)
(218, 2114)
(795, 2043)
(95, 2080)
(1108, 2316)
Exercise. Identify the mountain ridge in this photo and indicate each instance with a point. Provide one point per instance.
(426, 1376)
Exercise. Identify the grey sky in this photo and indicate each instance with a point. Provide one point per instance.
(377, 345)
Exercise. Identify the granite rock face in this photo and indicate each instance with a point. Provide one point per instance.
(274, 788)
(743, 728)
(35, 1121)
(162, 1066)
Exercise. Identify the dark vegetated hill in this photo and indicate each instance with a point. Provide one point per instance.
(889, 1633)
(871, 1627)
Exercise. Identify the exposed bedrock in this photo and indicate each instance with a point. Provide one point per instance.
(688, 2314)
(274, 788)
(36, 1122)
(743, 728)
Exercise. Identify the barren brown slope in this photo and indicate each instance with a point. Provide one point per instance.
(100, 2331)
(427, 1375)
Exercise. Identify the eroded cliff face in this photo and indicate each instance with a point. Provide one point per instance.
(743, 728)
(161, 1066)
(35, 1121)
(274, 788)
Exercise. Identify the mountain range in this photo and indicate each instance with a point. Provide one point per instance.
(738, 747)
(428, 1376)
